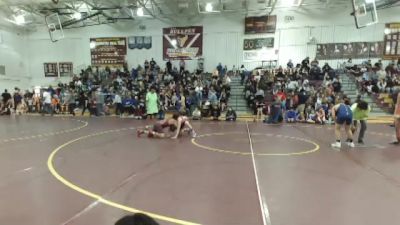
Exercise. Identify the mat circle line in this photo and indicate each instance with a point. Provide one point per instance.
(97, 197)
(48, 134)
(212, 149)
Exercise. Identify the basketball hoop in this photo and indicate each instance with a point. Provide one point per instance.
(54, 26)
(364, 12)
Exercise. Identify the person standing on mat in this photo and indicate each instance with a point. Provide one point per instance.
(151, 103)
(343, 115)
(360, 111)
(397, 119)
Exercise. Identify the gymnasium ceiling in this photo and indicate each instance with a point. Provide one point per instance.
(93, 12)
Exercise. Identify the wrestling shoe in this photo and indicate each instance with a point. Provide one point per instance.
(336, 145)
(193, 133)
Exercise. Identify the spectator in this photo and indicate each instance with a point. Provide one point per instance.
(151, 103)
(6, 96)
(181, 66)
(47, 103)
(118, 104)
(136, 219)
(230, 114)
(290, 64)
(169, 67)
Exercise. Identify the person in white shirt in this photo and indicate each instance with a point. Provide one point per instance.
(118, 104)
(47, 103)
(199, 92)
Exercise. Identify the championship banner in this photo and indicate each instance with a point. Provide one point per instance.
(392, 41)
(66, 69)
(108, 51)
(139, 42)
(182, 42)
(258, 43)
(260, 24)
(355, 50)
(375, 49)
(322, 51)
(50, 69)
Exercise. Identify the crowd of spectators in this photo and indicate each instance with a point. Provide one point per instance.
(380, 82)
(296, 93)
(304, 92)
(146, 90)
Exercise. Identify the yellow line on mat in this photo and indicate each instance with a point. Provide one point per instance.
(53, 171)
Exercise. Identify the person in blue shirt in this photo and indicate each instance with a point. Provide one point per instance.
(291, 116)
(343, 116)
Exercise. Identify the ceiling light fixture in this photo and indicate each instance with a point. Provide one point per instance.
(209, 7)
(139, 12)
(19, 19)
(77, 16)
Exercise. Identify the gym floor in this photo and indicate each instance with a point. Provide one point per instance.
(84, 171)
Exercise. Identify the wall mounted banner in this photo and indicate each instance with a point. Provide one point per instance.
(392, 41)
(139, 42)
(108, 51)
(66, 69)
(50, 69)
(258, 43)
(260, 55)
(260, 24)
(182, 42)
(349, 50)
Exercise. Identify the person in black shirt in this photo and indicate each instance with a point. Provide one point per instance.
(6, 96)
(169, 66)
(305, 64)
(303, 97)
(230, 115)
(152, 64)
(326, 68)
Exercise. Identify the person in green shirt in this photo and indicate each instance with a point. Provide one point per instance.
(361, 111)
(151, 103)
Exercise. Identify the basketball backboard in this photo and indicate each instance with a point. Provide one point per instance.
(364, 13)
(55, 27)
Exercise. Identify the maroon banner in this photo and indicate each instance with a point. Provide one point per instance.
(182, 42)
(108, 51)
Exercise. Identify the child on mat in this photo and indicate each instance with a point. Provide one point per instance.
(157, 130)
